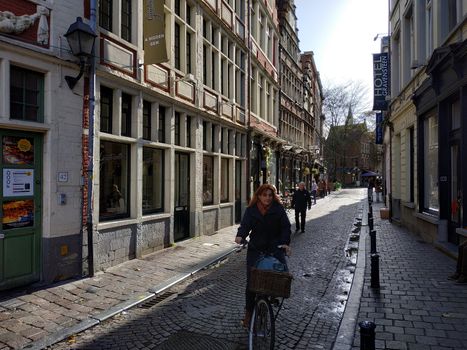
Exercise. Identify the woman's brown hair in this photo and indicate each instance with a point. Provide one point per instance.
(260, 190)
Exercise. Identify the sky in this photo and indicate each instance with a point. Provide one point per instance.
(341, 33)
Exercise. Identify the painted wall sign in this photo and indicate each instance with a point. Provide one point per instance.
(18, 182)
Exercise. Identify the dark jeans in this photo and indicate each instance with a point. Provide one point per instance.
(313, 195)
(252, 257)
(300, 213)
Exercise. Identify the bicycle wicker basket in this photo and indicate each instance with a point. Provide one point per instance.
(272, 283)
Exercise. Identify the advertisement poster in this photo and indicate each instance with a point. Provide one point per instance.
(18, 182)
(18, 214)
(18, 150)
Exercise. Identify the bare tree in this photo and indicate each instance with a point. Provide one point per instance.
(339, 98)
(346, 108)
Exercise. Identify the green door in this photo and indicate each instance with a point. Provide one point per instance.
(20, 208)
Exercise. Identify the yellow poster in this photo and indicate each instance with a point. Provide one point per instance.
(155, 50)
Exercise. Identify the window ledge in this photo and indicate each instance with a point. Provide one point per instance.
(462, 232)
(116, 223)
(409, 204)
(427, 217)
(210, 207)
(156, 216)
(226, 204)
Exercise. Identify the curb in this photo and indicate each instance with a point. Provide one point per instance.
(346, 333)
(152, 292)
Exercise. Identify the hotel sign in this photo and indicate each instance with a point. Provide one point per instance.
(379, 128)
(380, 81)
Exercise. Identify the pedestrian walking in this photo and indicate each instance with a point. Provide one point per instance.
(268, 226)
(371, 184)
(301, 200)
(314, 190)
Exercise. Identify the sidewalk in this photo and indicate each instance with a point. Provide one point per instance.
(44, 317)
(416, 306)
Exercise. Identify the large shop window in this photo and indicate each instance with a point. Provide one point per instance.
(208, 180)
(114, 180)
(430, 167)
(153, 180)
(225, 186)
(26, 94)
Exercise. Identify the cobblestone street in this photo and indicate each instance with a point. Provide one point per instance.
(204, 311)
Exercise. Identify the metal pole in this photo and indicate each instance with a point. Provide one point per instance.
(367, 335)
(375, 271)
(373, 241)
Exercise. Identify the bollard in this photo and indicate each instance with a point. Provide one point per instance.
(370, 211)
(370, 223)
(373, 241)
(367, 335)
(374, 271)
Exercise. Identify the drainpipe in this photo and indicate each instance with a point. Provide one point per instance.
(90, 175)
(249, 137)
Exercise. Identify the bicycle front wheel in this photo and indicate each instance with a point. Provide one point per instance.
(262, 330)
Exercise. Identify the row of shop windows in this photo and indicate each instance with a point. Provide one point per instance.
(115, 176)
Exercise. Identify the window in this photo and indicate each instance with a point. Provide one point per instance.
(411, 166)
(208, 180)
(205, 65)
(188, 53)
(177, 129)
(188, 14)
(153, 180)
(430, 166)
(177, 46)
(26, 95)
(161, 126)
(105, 14)
(188, 131)
(106, 109)
(225, 186)
(455, 115)
(126, 115)
(205, 138)
(177, 7)
(114, 180)
(146, 120)
(126, 20)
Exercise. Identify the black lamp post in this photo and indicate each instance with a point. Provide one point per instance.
(81, 39)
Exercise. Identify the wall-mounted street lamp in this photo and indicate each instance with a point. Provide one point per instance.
(81, 39)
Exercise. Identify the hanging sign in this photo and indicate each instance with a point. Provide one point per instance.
(379, 128)
(380, 81)
(155, 49)
(18, 182)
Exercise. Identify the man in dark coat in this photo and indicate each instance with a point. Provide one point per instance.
(301, 199)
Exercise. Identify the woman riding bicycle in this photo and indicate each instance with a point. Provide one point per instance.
(266, 221)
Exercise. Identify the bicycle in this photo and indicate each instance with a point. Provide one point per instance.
(269, 286)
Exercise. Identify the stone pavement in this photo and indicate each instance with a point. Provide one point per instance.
(416, 306)
(44, 317)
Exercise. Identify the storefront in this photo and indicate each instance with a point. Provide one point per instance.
(442, 138)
